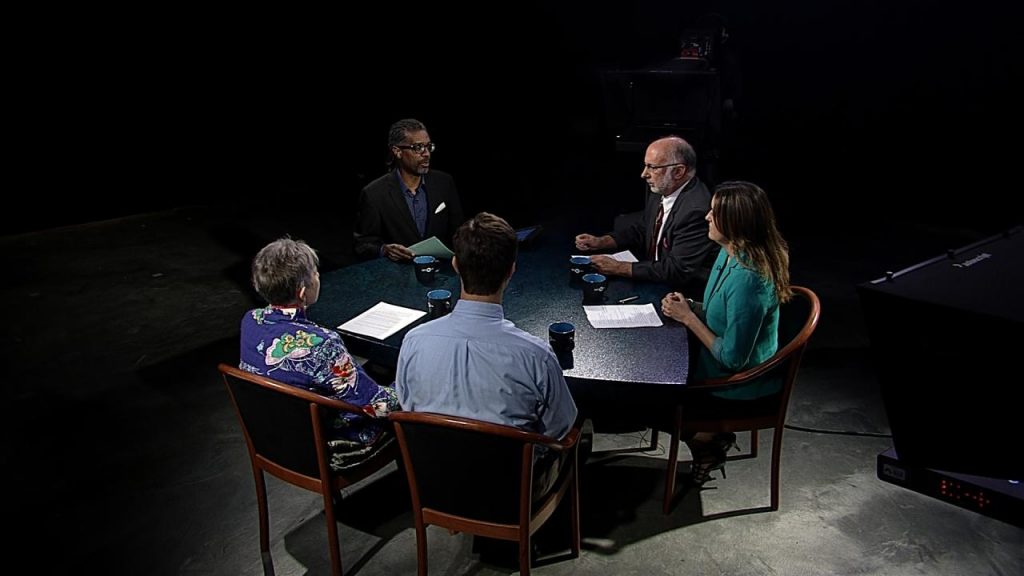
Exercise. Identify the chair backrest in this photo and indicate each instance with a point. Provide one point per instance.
(466, 467)
(798, 319)
(282, 423)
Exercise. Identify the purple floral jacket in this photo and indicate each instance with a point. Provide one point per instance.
(280, 343)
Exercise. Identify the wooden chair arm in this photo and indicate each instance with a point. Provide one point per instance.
(794, 346)
(488, 428)
(569, 441)
(307, 395)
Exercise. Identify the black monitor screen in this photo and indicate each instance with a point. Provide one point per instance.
(947, 336)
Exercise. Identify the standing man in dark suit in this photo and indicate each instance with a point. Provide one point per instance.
(671, 239)
(406, 205)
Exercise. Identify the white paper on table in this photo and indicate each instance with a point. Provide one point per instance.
(624, 256)
(623, 316)
(382, 320)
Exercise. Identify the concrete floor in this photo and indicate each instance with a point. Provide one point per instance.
(123, 455)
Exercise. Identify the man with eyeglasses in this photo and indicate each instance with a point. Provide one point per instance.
(406, 205)
(671, 239)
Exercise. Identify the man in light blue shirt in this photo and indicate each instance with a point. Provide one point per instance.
(475, 364)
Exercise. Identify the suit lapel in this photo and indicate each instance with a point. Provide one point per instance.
(679, 201)
(433, 201)
(723, 277)
(666, 220)
(399, 206)
(650, 215)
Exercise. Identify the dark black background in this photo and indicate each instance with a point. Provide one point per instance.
(849, 112)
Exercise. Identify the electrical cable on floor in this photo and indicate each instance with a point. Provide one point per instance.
(645, 441)
(839, 432)
(643, 437)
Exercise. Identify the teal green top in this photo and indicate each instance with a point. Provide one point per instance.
(741, 308)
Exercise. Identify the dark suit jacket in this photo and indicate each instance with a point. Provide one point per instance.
(383, 217)
(686, 253)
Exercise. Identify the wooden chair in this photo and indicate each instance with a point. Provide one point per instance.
(797, 320)
(477, 477)
(285, 433)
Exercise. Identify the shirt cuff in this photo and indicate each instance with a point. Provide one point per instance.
(716, 349)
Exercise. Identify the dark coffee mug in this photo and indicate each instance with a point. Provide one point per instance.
(594, 286)
(578, 266)
(565, 360)
(562, 336)
(426, 268)
(439, 303)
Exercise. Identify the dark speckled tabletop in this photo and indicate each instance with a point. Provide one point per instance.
(540, 293)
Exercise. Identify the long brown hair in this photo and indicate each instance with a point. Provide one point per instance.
(744, 216)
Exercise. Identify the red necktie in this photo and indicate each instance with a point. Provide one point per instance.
(652, 251)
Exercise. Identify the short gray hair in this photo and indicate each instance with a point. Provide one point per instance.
(282, 268)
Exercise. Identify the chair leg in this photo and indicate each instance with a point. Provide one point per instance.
(261, 504)
(524, 550)
(574, 511)
(421, 548)
(753, 443)
(332, 532)
(776, 462)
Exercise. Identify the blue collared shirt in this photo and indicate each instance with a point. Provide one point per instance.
(475, 364)
(417, 203)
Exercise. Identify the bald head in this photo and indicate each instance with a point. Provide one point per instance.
(668, 164)
(678, 150)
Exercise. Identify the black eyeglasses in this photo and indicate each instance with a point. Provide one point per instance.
(652, 167)
(419, 148)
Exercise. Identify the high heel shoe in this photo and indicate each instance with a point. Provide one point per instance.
(711, 457)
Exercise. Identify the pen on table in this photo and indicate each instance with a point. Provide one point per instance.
(630, 299)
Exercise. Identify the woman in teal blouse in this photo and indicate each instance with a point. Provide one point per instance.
(737, 323)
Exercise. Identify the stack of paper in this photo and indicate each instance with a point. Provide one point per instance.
(624, 256)
(382, 320)
(624, 316)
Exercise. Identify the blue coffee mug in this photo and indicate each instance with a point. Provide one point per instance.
(594, 286)
(562, 336)
(426, 268)
(578, 266)
(439, 303)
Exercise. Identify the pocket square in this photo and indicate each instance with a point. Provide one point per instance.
(439, 208)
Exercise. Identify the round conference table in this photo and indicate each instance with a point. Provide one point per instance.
(539, 293)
